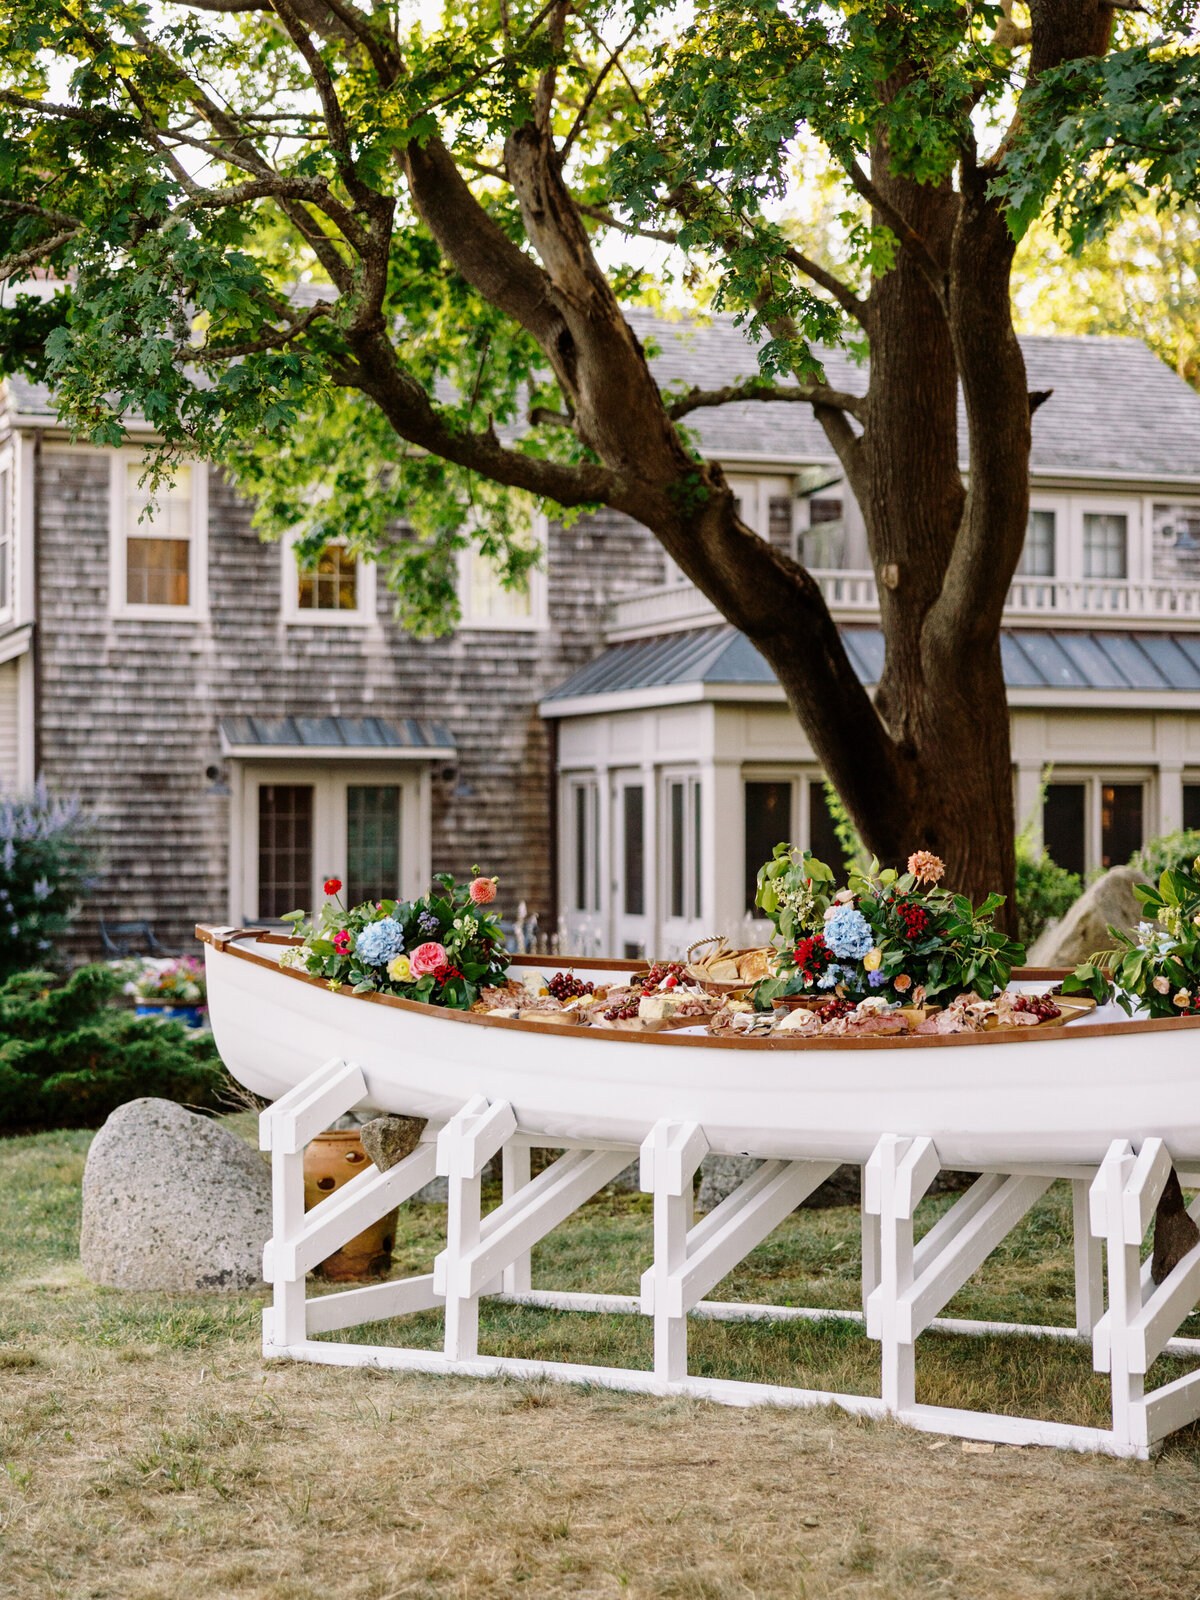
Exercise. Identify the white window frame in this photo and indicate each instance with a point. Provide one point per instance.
(1059, 508)
(363, 614)
(1137, 564)
(329, 780)
(539, 594)
(8, 521)
(590, 785)
(119, 533)
(693, 825)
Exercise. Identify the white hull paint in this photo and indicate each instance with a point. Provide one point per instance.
(1050, 1096)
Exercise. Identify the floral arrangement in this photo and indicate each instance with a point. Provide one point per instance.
(443, 948)
(898, 936)
(178, 982)
(1157, 967)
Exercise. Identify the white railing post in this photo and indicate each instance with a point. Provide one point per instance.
(1112, 1352)
(1089, 1262)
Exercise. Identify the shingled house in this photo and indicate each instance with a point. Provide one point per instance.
(618, 755)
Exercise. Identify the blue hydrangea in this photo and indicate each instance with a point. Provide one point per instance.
(834, 975)
(379, 942)
(848, 934)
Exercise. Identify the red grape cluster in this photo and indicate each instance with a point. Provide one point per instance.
(658, 973)
(566, 986)
(915, 919)
(1041, 1006)
(832, 1009)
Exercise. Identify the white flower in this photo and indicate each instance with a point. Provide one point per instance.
(1162, 983)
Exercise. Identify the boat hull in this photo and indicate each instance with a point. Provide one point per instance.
(1046, 1096)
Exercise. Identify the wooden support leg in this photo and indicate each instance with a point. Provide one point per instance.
(1111, 1352)
(517, 1278)
(670, 1155)
(1089, 1262)
(898, 1174)
(284, 1129)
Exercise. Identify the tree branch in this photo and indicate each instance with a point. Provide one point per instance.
(11, 265)
(817, 394)
(598, 214)
(205, 355)
(588, 99)
(845, 296)
(909, 238)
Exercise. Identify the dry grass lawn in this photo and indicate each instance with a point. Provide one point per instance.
(147, 1451)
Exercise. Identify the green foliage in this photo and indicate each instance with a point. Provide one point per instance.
(456, 946)
(1156, 968)
(855, 855)
(46, 859)
(183, 172)
(1045, 892)
(1172, 852)
(894, 935)
(69, 1055)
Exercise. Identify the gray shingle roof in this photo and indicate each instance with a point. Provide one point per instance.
(331, 733)
(1116, 410)
(1033, 659)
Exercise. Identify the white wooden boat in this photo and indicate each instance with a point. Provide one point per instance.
(1045, 1095)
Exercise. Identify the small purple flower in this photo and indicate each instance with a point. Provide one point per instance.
(876, 979)
(428, 922)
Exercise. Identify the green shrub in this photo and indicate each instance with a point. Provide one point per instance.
(1044, 891)
(46, 858)
(1173, 852)
(69, 1056)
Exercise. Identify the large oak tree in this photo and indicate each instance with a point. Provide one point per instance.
(181, 165)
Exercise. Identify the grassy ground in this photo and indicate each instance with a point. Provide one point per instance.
(146, 1450)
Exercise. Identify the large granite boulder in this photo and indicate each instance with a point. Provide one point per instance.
(1084, 929)
(172, 1200)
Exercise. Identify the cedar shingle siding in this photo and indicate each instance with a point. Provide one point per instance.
(129, 709)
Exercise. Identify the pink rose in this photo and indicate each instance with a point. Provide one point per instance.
(427, 958)
(483, 890)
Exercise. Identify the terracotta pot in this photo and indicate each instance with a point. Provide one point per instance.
(331, 1160)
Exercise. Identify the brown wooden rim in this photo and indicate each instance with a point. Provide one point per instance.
(222, 939)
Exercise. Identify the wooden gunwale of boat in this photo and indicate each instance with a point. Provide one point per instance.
(224, 939)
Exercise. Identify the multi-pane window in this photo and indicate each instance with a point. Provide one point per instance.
(372, 842)
(1120, 822)
(633, 829)
(487, 600)
(1064, 827)
(5, 539)
(285, 848)
(585, 839)
(768, 812)
(1037, 556)
(684, 850)
(332, 585)
(158, 539)
(1105, 544)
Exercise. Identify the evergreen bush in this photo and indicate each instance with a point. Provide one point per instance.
(1045, 891)
(69, 1056)
(46, 859)
(1167, 852)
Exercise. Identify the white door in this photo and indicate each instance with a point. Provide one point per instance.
(631, 885)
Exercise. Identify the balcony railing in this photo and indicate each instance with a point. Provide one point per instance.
(853, 596)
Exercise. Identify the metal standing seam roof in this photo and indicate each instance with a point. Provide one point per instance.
(1033, 659)
(331, 733)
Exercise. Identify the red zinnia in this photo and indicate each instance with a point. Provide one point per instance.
(812, 956)
(332, 885)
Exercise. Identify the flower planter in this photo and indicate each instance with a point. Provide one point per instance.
(330, 1161)
(171, 1011)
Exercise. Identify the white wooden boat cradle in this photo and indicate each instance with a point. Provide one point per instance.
(1102, 1104)
(904, 1284)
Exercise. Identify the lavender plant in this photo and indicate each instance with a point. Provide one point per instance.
(47, 857)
